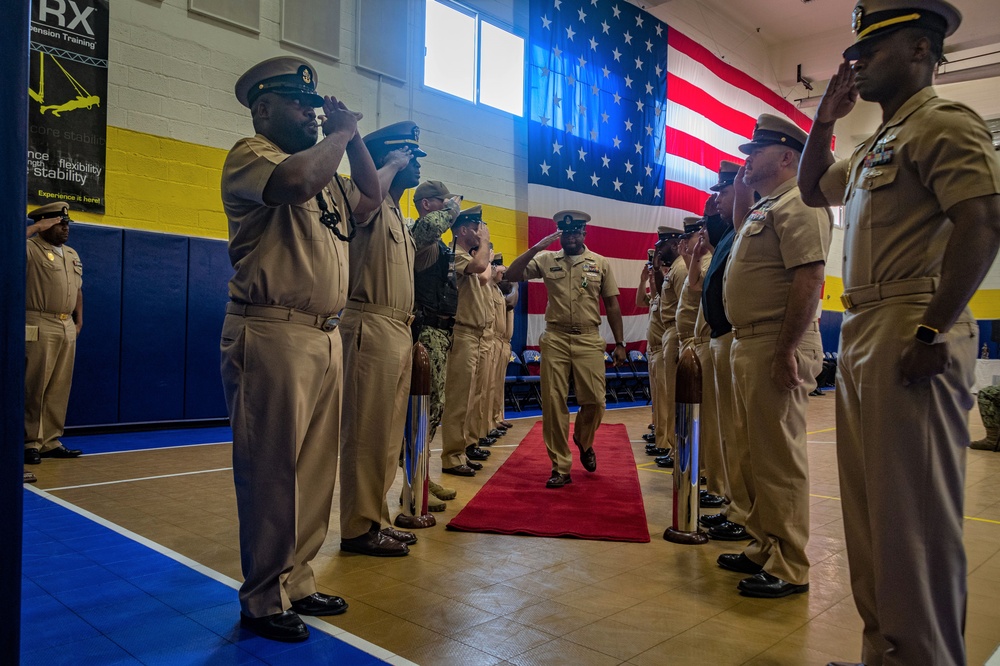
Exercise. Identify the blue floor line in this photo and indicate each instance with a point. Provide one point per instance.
(93, 596)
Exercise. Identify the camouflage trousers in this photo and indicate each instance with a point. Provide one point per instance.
(989, 406)
(438, 342)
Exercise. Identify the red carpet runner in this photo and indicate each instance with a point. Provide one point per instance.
(606, 505)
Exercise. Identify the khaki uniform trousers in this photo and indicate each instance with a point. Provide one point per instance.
(776, 472)
(654, 362)
(710, 442)
(48, 375)
(499, 380)
(902, 457)
(666, 421)
(437, 342)
(378, 353)
(583, 356)
(458, 422)
(735, 448)
(283, 385)
(484, 385)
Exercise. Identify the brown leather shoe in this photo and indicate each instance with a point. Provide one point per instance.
(409, 538)
(558, 480)
(29, 477)
(374, 544)
(459, 470)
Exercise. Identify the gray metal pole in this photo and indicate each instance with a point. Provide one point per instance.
(416, 454)
(687, 499)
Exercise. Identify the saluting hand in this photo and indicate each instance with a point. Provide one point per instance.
(338, 118)
(545, 242)
(840, 97)
(712, 205)
(398, 159)
(920, 362)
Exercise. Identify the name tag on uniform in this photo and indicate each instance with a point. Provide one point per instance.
(555, 269)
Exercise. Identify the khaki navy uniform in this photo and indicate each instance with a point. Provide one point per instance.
(487, 355)
(902, 456)
(713, 465)
(501, 347)
(779, 233)
(474, 315)
(282, 375)
(572, 343)
(378, 350)
(654, 356)
(54, 280)
(670, 296)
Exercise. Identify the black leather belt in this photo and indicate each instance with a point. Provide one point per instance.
(435, 321)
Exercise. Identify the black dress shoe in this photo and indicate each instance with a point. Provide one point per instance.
(409, 538)
(31, 457)
(588, 458)
(713, 520)
(473, 465)
(319, 604)
(665, 461)
(558, 480)
(475, 453)
(286, 627)
(30, 477)
(459, 470)
(487, 441)
(767, 586)
(728, 531)
(496, 433)
(710, 501)
(657, 451)
(374, 544)
(61, 452)
(649, 437)
(739, 563)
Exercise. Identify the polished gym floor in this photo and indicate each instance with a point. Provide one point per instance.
(135, 551)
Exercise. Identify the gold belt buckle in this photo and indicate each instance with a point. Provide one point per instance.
(331, 323)
(63, 316)
(845, 299)
(409, 319)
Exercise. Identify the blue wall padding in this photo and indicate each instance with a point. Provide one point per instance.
(829, 330)
(94, 398)
(154, 326)
(209, 271)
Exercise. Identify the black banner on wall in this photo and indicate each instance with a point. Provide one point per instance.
(67, 106)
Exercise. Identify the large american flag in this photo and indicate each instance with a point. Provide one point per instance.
(628, 121)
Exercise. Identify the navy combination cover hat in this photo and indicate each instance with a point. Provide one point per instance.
(54, 209)
(876, 18)
(571, 220)
(404, 134)
(692, 224)
(284, 75)
(727, 175)
(775, 130)
(473, 215)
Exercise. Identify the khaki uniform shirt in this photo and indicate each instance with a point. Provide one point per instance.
(53, 281)
(779, 233)
(499, 311)
(575, 286)
(690, 303)
(670, 293)
(899, 184)
(382, 257)
(654, 334)
(282, 255)
(474, 306)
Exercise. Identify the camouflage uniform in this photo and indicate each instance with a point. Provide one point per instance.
(427, 233)
(989, 409)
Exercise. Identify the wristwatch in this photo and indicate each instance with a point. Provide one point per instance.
(928, 335)
(619, 343)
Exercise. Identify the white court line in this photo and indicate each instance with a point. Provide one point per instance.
(994, 660)
(155, 448)
(325, 627)
(141, 478)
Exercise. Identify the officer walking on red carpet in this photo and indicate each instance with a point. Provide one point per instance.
(921, 229)
(577, 281)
